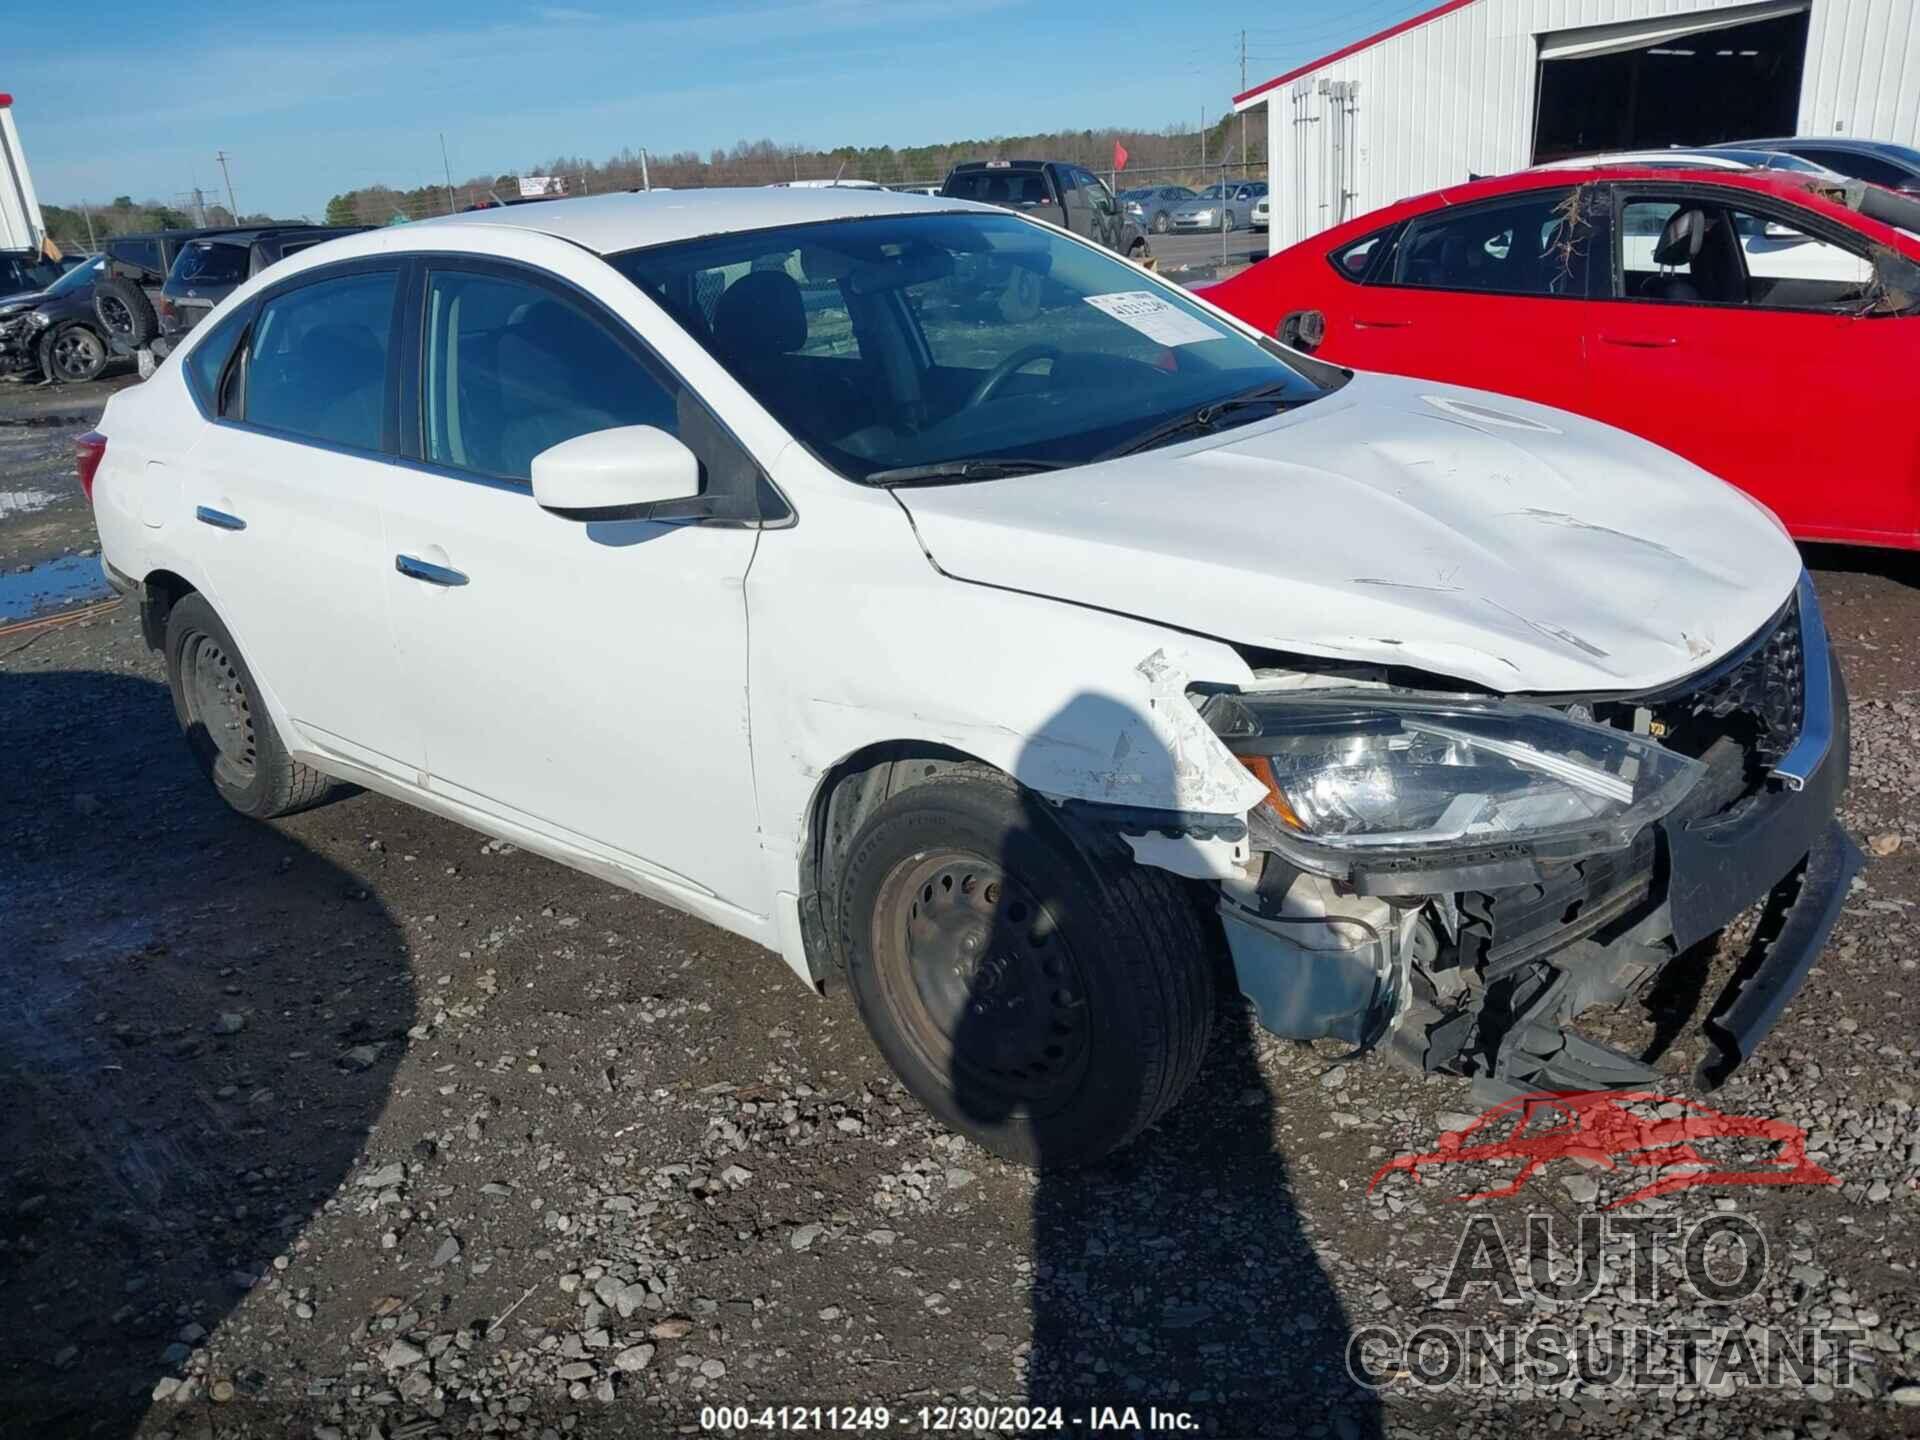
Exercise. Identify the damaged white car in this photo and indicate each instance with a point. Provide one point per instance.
(974, 619)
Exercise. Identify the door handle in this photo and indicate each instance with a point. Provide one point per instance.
(1642, 342)
(219, 519)
(1382, 324)
(415, 568)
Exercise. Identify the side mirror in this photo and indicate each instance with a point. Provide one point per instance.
(632, 472)
(1774, 230)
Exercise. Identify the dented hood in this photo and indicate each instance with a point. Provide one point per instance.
(1400, 522)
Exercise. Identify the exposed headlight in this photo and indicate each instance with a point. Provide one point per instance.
(39, 319)
(1359, 772)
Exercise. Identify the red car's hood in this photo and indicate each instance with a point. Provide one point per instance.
(1402, 522)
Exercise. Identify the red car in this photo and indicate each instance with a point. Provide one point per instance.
(1764, 325)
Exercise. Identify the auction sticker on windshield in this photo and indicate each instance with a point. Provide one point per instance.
(1153, 317)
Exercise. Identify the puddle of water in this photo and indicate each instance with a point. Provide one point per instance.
(22, 502)
(52, 585)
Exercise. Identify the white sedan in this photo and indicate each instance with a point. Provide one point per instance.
(971, 618)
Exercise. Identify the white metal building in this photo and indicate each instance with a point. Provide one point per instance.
(1483, 87)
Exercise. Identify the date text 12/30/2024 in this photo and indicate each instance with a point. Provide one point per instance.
(939, 1419)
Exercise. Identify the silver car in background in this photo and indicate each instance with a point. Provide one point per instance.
(1151, 207)
(1224, 206)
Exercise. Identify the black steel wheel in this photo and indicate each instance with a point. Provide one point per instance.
(985, 984)
(228, 731)
(1033, 986)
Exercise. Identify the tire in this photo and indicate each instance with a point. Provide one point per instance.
(124, 311)
(74, 355)
(1160, 223)
(1035, 990)
(1226, 222)
(233, 743)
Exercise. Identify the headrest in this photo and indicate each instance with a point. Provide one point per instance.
(1680, 241)
(761, 313)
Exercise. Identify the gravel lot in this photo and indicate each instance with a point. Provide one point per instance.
(360, 1125)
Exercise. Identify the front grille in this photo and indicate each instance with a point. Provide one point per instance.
(1764, 689)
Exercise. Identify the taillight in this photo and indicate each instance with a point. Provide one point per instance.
(88, 451)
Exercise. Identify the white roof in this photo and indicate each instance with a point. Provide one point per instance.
(607, 224)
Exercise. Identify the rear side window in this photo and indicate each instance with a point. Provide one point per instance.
(143, 253)
(207, 361)
(209, 262)
(317, 368)
(1001, 187)
(1355, 259)
(1859, 166)
(1534, 245)
(513, 369)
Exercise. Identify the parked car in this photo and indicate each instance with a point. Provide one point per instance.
(1880, 161)
(129, 295)
(1400, 688)
(1151, 206)
(1065, 195)
(1261, 217)
(1714, 157)
(1743, 319)
(1224, 206)
(208, 269)
(54, 334)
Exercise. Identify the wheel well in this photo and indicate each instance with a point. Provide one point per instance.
(162, 591)
(846, 795)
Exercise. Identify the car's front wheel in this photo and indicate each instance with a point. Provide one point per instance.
(1034, 987)
(75, 355)
(227, 728)
(1160, 223)
(1226, 221)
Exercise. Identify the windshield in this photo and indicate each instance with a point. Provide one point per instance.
(911, 340)
(78, 278)
(210, 262)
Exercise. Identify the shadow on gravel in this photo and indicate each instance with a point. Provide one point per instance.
(199, 1019)
(1179, 1274)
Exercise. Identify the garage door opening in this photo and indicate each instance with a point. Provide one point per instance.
(1691, 81)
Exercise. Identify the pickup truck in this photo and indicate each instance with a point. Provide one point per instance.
(1050, 190)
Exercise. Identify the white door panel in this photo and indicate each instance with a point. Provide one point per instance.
(302, 585)
(588, 680)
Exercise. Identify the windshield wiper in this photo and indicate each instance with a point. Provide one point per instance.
(983, 469)
(1200, 420)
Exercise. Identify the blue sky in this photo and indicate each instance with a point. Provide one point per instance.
(310, 100)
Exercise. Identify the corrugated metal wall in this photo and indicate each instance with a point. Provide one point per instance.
(1455, 97)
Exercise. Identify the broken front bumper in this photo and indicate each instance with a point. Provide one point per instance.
(1480, 973)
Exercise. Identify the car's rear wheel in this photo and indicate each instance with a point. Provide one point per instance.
(123, 308)
(1033, 987)
(75, 355)
(227, 729)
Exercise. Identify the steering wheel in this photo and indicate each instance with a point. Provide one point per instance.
(1019, 360)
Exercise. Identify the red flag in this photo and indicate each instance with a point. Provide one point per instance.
(1119, 156)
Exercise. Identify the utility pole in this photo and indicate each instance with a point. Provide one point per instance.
(446, 169)
(1243, 114)
(87, 210)
(646, 181)
(232, 209)
(1203, 137)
